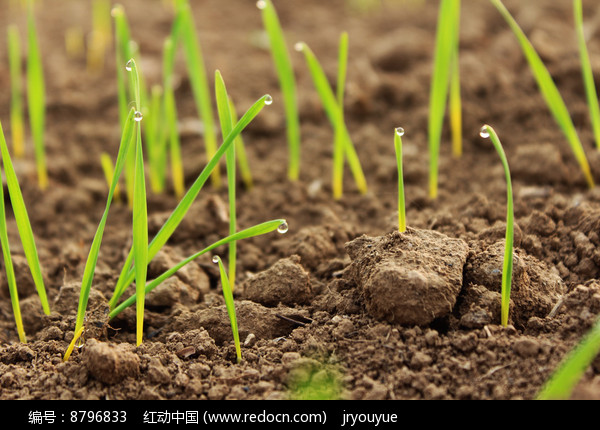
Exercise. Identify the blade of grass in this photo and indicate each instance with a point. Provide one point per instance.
(71, 346)
(90, 265)
(17, 126)
(226, 125)
(170, 110)
(36, 98)
(549, 92)
(198, 81)
(455, 103)
(332, 110)
(101, 35)
(230, 305)
(123, 53)
(179, 212)
(23, 224)
(338, 145)
(398, 133)
(588, 75)
(154, 140)
(256, 230)
(9, 269)
(109, 170)
(562, 382)
(507, 268)
(287, 82)
(140, 212)
(444, 53)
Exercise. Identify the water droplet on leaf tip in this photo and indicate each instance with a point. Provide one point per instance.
(283, 227)
(128, 66)
(261, 4)
(400, 131)
(299, 46)
(268, 100)
(138, 116)
(484, 132)
(216, 259)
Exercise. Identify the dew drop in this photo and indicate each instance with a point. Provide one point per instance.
(400, 131)
(129, 65)
(484, 132)
(261, 4)
(268, 100)
(283, 227)
(138, 116)
(216, 259)
(299, 46)
(115, 11)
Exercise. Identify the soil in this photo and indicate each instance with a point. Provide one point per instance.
(342, 301)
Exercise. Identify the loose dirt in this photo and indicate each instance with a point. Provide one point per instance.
(342, 301)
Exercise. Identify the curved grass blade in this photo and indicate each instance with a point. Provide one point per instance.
(256, 230)
(507, 267)
(36, 98)
(332, 109)
(90, 265)
(23, 224)
(287, 82)
(444, 53)
(198, 81)
(562, 382)
(398, 133)
(586, 69)
(226, 125)
(549, 92)
(17, 126)
(230, 305)
(10, 271)
(179, 212)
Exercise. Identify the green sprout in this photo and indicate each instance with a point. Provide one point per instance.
(334, 112)
(17, 126)
(36, 98)
(170, 113)
(230, 305)
(23, 223)
(398, 133)
(109, 169)
(127, 273)
(140, 211)
(586, 69)
(562, 382)
(100, 37)
(198, 79)
(549, 92)
(338, 143)
(445, 57)
(226, 120)
(507, 268)
(454, 101)
(287, 82)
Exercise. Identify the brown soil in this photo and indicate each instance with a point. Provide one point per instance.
(341, 299)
